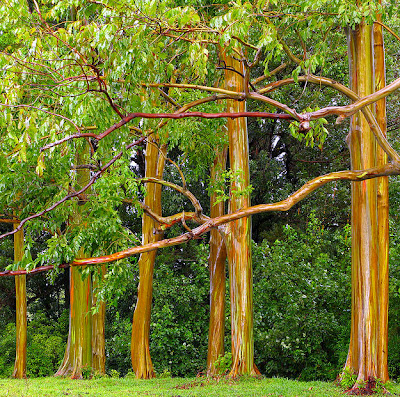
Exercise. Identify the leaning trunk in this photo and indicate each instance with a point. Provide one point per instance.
(21, 319)
(140, 350)
(216, 262)
(238, 233)
(367, 355)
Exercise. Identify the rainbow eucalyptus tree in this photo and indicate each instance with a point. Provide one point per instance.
(140, 351)
(21, 309)
(238, 233)
(86, 339)
(367, 356)
(217, 264)
(136, 48)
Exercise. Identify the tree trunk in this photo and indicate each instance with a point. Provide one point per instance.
(98, 331)
(367, 355)
(140, 350)
(78, 353)
(21, 319)
(216, 262)
(238, 233)
(86, 340)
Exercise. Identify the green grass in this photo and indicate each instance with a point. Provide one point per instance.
(56, 387)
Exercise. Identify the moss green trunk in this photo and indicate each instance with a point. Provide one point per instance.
(238, 233)
(21, 318)
(140, 350)
(367, 355)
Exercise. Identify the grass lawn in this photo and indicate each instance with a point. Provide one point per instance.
(56, 387)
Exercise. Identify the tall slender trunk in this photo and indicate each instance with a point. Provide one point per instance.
(383, 208)
(86, 340)
(78, 353)
(98, 331)
(21, 318)
(367, 355)
(140, 350)
(238, 233)
(216, 262)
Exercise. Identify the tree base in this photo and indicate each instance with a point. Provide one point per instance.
(371, 387)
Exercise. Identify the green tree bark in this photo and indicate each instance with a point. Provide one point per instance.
(217, 260)
(140, 350)
(367, 355)
(21, 310)
(238, 233)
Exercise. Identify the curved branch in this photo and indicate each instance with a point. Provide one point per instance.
(168, 221)
(349, 110)
(180, 189)
(376, 130)
(285, 205)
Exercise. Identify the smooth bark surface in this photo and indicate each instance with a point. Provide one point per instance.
(98, 330)
(238, 233)
(383, 208)
(140, 350)
(78, 353)
(217, 262)
(21, 310)
(367, 355)
(84, 330)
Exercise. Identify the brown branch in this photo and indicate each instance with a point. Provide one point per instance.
(9, 221)
(131, 116)
(285, 205)
(192, 198)
(376, 130)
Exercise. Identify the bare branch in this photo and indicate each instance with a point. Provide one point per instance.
(180, 189)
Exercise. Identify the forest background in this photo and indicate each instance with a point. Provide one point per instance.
(301, 258)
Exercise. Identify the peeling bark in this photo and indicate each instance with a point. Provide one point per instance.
(238, 233)
(216, 262)
(21, 310)
(140, 350)
(367, 355)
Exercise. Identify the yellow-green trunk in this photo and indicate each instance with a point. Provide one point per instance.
(140, 350)
(21, 318)
(216, 262)
(238, 233)
(367, 355)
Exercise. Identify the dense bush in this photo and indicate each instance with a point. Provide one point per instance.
(45, 345)
(302, 302)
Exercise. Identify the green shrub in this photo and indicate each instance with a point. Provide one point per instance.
(224, 363)
(302, 303)
(7, 349)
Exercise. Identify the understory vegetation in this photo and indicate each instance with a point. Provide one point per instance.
(302, 311)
